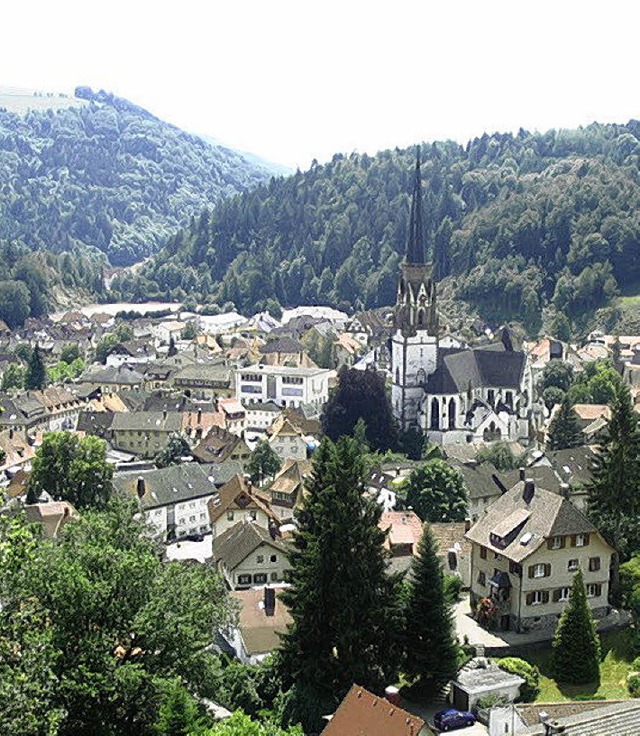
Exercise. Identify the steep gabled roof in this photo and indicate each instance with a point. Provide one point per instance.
(362, 713)
(235, 544)
(238, 494)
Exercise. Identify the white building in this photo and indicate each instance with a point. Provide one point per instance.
(283, 385)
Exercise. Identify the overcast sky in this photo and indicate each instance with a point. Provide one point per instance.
(297, 80)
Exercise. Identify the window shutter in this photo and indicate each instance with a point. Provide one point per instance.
(550, 543)
(573, 540)
(556, 595)
(547, 570)
(531, 569)
(586, 540)
(598, 590)
(529, 598)
(562, 542)
(545, 596)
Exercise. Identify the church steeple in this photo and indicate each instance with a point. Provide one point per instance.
(415, 244)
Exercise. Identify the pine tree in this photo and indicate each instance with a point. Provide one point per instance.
(576, 645)
(614, 501)
(432, 652)
(36, 377)
(564, 430)
(173, 350)
(345, 606)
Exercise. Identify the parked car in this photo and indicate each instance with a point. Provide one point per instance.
(451, 718)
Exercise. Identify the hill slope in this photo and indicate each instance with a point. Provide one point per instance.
(518, 223)
(106, 174)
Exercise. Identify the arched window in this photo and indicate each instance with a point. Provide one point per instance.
(420, 317)
(452, 414)
(435, 414)
(421, 377)
(398, 376)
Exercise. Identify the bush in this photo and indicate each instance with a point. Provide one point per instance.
(529, 672)
(452, 588)
(488, 701)
(633, 684)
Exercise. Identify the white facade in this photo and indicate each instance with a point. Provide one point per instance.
(283, 385)
(413, 360)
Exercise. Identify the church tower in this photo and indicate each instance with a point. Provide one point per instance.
(414, 345)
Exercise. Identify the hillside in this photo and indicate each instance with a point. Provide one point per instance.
(521, 225)
(99, 171)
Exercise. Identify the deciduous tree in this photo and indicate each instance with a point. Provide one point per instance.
(264, 463)
(436, 492)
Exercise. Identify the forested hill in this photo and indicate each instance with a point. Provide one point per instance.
(520, 221)
(107, 174)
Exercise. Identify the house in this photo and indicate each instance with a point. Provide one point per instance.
(219, 445)
(51, 516)
(238, 501)
(285, 351)
(262, 618)
(362, 713)
(454, 549)
(144, 433)
(204, 381)
(109, 379)
(235, 416)
(286, 492)
(404, 530)
(595, 718)
(525, 551)
(247, 554)
(284, 385)
(175, 499)
(346, 350)
(286, 440)
(481, 678)
(481, 482)
(218, 323)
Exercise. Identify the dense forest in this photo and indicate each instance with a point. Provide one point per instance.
(518, 223)
(109, 175)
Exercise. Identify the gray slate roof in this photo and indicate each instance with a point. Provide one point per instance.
(488, 367)
(549, 515)
(176, 483)
(146, 421)
(238, 542)
(121, 375)
(282, 345)
(620, 719)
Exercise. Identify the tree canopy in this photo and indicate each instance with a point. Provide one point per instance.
(263, 463)
(436, 492)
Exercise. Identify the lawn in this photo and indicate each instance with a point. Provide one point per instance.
(617, 656)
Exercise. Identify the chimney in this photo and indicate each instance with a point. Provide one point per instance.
(521, 471)
(553, 728)
(199, 416)
(140, 487)
(269, 601)
(467, 525)
(529, 490)
(392, 694)
(565, 490)
(11, 433)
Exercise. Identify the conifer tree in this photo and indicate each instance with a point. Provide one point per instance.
(36, 377)
(173, 350)
(614, 501)
(263, 463)
(346, 609)
(564, 430)
(432, 652)
(576, 645)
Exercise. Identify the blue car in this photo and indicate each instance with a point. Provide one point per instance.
(450, 719)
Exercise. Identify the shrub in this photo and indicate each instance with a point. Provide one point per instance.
(529, 672)
(488, 701)
(633, 684)
(452, 588)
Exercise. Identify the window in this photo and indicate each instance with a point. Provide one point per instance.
(541, 570)
(572, 566)
(537, 597)
(273, 558)
(556, 543)
(253, 515)
(594, 564)
(274, 577)
(483, 553)
(244, 579)
(580, 540)
(564, 594)
(260, 559)
(260, 578)
(594, 590)
(229, 515)
(482, 578)
(192, 519)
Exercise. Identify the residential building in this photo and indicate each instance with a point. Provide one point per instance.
(144, 433)
(247, 555)
(108, 379)
(286, 492)
(571, 718)
(175, 499)
(285, 351)
(362, 712)
(262, 618)
(51, 516)
(238, 501)
(286, 440)
(404, 530)
(219, 445)
(283, 385)
(235, 416)
(204, 381)
(525, 552)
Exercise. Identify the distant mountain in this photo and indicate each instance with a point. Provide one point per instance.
(99, 171)
(519, 226)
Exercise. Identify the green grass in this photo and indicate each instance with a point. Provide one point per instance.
(617, 656)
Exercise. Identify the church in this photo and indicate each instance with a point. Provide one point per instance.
(455, 395)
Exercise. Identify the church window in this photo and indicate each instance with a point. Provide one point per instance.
(420, 317)
(452, 414)
(491, 396)
(397, 375)
(421, 376)
(435, 414)
(508, 399)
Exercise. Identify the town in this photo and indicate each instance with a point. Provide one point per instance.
(384, 522)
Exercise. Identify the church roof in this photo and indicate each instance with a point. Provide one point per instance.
(458, 370)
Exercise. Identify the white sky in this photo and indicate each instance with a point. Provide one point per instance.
(294, 80)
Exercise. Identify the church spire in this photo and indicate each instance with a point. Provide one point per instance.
(415, 245)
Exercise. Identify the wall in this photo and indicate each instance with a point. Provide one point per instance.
(251, 566)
